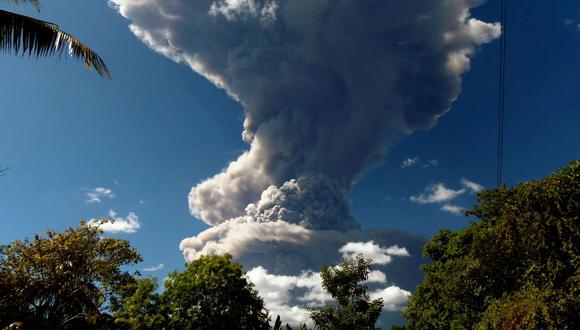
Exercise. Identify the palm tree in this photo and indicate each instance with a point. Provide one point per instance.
(27, 35)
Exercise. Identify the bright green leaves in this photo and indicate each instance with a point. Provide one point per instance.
(355, 310)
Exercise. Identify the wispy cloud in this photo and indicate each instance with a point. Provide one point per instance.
(96, 195)
(573, 23)
(436, 193)
(453, 209)
(154, 268)
(409, 162)
(440, 194)
(416, 161)
(128, 225)
(473, 186)
(431, 163)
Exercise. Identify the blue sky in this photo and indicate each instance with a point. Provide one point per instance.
(157, 129)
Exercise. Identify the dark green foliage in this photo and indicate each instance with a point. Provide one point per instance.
(63, 280)
(354, 309)
(141, 307)
(278, 323)
(518, 267)
(34, 37)
(211, 293)
(70, 280)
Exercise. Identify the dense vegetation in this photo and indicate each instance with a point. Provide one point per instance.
(518, 267)
(211, 293)
(73, 280)
(63, 280)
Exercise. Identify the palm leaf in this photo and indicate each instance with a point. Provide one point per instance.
(27, 35)
(35, 3)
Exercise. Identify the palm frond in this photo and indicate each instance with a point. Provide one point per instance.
(27, 35)
(35, 3)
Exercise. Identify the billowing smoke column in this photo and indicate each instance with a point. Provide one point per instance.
(327, 86)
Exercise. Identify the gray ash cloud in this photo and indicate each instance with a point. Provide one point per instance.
(326, 85)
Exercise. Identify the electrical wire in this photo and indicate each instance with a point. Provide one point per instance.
(501, 103)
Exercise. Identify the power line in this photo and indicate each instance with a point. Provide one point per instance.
(501, 103)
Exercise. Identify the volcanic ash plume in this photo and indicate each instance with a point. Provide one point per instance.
(326, 84)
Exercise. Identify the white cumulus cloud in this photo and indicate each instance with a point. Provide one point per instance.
(284, 259)
(394, 298)
(379, 255)
(128, 225)
(376, 276)
(284, 295)
(290, 296)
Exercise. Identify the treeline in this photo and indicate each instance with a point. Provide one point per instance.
(74, 280)
(517, 267)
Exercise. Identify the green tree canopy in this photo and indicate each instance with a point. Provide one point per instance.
(354, 310)
(211, 293)
(140, 307)
(518, 267)
(63, 280)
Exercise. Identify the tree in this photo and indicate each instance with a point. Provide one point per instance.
(211, 293)
(518, 267)
(354, 309)
(140, 307)
(27, 35)
(63, 280)
(278, 325)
